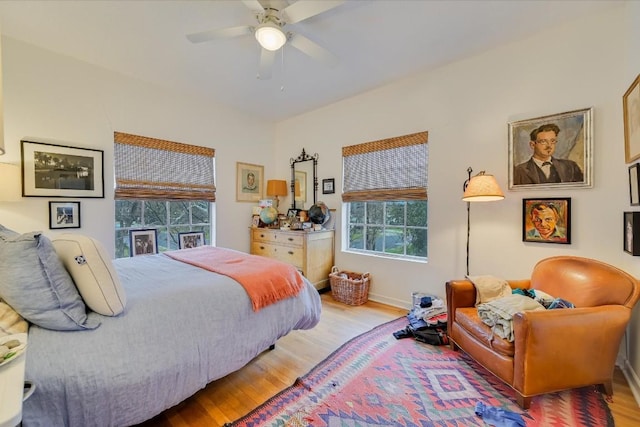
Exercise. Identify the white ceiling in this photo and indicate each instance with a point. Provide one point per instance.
(376, 41)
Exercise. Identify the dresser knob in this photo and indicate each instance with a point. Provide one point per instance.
(290, 252)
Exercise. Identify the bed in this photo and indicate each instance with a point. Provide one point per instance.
(183, 327)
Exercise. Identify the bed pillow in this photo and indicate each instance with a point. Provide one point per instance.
(5, 233)
(35, 283)
(10, 321)
(91, 269)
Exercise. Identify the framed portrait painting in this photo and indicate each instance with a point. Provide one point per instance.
(631, 109)
(191, 239)
(50, 170)
(249, 182)
(631, 233)
(546, 220)
(64, 215)
(143, 242)
(553, 151)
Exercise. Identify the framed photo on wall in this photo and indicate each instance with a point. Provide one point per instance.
(64, 215)
(50, 170)
(631, 108)
(546, 220)
(552, 151)
(191, 239)
(631, 233)
(634, 184)
(249, 182)
(328, 186)
(143, 242)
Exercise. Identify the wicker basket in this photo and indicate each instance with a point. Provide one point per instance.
(348, 287)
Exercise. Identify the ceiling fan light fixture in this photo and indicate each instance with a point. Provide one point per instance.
(270, 36)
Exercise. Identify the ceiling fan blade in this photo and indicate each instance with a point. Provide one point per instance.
(302, 10)
(253, 5)
(221, 33)
(313, 50)
(267, 58)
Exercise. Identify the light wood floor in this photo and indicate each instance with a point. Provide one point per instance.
(229, 398)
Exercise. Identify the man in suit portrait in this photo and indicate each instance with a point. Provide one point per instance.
(542, 167)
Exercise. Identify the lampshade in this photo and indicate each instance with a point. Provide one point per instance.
(9, 182)
(482, 188)
(276, 187)
(270, 36)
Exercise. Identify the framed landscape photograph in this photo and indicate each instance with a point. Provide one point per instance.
(143, 242)
(553, 151)
(634, 184)
(631, 233)
(631, 114)
(50, 170)
(191, 239)
(546, 220)
(64, 215)
(249, 179)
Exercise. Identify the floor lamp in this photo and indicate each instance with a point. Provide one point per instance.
(479, 188)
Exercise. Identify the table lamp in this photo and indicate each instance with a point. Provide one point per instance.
(276, 187)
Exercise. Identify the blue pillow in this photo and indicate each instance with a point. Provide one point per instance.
(34, 282)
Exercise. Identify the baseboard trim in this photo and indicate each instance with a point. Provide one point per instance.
(632, 379)
(390, 301)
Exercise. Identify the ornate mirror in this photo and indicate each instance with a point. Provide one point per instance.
(304, 181)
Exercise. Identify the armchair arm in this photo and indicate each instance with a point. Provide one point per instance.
(566, 348)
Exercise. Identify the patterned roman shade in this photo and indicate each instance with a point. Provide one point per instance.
(388, 169)
(150, 168)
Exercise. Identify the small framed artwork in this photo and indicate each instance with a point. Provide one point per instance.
(546, 220)
(143, 242)
(631, 233)
(191, 239)
(249, 182)
(255, 221)
(328, 186)
(551, 151)
(631, 113)
(50, 170)
(64, 215)
(292, 213)
(634, 184)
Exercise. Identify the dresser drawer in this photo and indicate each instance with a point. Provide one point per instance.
(276, 236)
(290, 255)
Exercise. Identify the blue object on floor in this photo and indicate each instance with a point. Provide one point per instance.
(498, 417)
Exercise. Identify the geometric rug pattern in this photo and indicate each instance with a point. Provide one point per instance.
(375, 380)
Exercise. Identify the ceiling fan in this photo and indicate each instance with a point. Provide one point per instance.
(270, 31)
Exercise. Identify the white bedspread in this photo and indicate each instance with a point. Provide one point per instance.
(183, 327)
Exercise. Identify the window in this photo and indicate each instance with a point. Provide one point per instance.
(164, 185)
(168, 217)
(385, 188)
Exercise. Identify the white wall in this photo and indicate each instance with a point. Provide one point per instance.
(465, 107)
(58, 98)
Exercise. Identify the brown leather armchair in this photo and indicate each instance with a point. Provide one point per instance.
(553, 350)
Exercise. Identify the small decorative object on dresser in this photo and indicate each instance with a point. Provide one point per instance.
(310, 252)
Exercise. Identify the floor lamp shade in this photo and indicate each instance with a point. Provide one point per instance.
(9, 182)
(479, 188)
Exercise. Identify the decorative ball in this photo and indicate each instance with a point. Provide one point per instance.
(268, 215)
(318, 213)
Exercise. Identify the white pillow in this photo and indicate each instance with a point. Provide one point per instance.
(92, 271)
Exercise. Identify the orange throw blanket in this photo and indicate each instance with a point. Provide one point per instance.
(265, 280)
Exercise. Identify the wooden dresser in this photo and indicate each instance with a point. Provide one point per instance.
(310, 252)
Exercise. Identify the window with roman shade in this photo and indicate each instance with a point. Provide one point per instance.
(156, 169)
(388, 169)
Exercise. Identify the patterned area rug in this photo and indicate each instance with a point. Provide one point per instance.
(376, 380)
